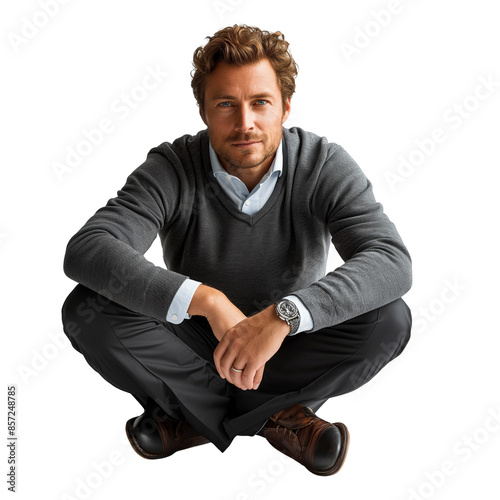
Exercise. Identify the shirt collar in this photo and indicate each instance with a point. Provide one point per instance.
(276, 166)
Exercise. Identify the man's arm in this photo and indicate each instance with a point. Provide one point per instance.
(246, 343)
(220, 312)
(107, 253)
(377, 265)
(377, 270)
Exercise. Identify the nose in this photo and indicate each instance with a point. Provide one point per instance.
(244, 119)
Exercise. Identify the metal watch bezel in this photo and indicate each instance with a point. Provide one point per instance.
(293, 321)
(283, 314)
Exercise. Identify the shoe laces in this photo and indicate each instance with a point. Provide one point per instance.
(285, 429)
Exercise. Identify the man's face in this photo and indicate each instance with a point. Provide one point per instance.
(244, 114)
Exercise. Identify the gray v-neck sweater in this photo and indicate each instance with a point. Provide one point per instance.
(255, 260)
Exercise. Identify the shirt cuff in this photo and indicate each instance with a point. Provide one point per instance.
(177, 312)
(306, 322)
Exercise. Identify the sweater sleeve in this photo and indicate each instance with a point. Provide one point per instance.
(107, 253)
(377, 265)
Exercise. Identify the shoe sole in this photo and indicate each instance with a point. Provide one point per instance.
(136, 446)
(342, 455)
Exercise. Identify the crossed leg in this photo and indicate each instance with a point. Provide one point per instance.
(172, 365)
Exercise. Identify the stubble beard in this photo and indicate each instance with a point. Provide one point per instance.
(241, 164)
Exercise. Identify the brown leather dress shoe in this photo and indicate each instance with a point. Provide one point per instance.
(318, 445)
(153, 437)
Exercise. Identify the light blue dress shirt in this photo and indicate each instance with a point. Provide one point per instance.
(248, 203)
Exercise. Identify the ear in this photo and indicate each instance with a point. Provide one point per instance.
(286, 111)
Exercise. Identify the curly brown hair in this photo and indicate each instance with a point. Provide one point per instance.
(239, 45)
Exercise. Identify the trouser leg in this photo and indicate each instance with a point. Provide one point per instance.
(173, 365)
(394, 321)
(311, 368)
(146, 358)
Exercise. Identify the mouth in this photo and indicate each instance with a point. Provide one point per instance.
(244, 145)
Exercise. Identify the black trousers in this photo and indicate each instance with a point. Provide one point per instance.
(172, 366)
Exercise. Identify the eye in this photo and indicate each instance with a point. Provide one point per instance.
(261, 102)
(224, 104)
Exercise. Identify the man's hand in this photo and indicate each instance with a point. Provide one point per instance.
(248, 346)
(220, 312)
(245, 343)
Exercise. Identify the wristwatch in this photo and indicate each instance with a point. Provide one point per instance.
(288, 311)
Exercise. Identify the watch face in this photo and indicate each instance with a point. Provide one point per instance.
(287, 309)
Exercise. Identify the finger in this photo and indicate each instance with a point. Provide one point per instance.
(247, 380)
(236, 375)
(226, 363)
(217, 361)
(219, 353)
(238, 382)
(248, 376)
(258, 377)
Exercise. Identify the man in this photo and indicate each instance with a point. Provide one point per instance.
(244, 333)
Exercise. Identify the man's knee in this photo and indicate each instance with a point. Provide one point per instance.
(80, 312)
(395, 319)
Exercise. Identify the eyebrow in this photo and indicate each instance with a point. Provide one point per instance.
(262, 95)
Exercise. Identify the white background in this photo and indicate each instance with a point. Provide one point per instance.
(424, 427)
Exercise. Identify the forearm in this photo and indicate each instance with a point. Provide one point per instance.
(204, 301)
(248, 346)
(220, 312)
(365, 282)
(377, 265)
(107, 253)
(120, 273)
